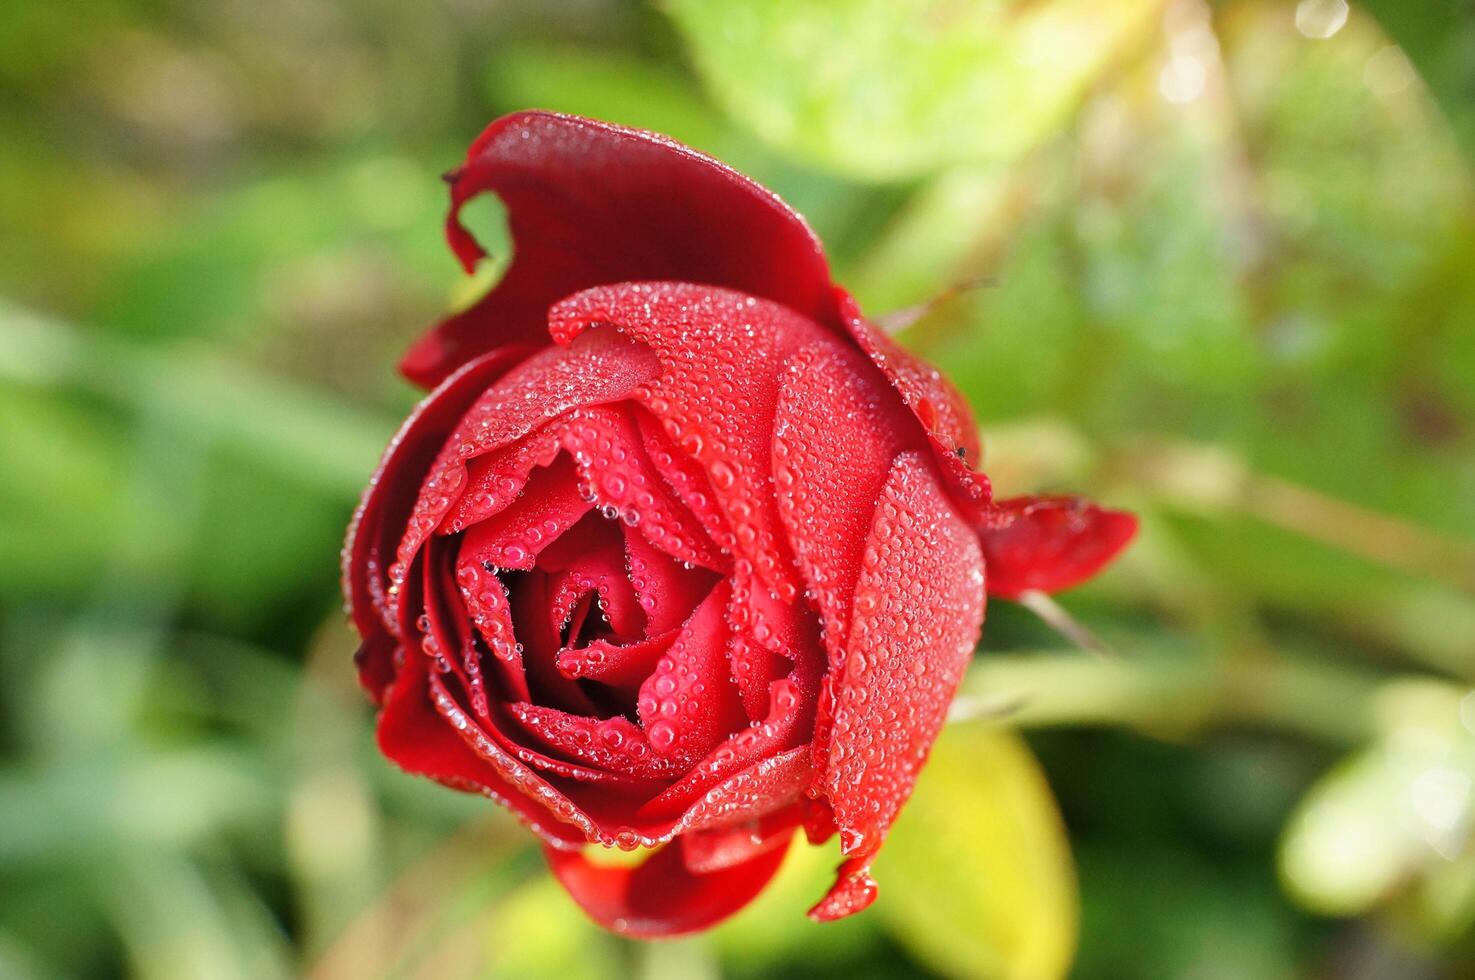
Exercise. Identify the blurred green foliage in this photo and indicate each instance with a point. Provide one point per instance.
(1231, 245)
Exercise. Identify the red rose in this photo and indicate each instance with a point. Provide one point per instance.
(681, 550)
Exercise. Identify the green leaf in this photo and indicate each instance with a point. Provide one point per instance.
(976, 876)
(538, 932)
(884, 90)
(605, 85)
(1392, 825)
(1439, 38)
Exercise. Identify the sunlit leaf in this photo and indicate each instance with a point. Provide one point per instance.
(880, 89)
(1393, 823)
(537, 932)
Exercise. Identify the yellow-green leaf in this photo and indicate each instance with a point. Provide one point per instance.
(976, 877)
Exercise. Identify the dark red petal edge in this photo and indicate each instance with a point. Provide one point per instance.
(940, 407)
(388, 500)
(416, 738)
(590, 203)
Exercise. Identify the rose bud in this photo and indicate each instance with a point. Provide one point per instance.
(681, 552)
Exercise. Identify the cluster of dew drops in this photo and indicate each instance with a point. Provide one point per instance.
(617, 487)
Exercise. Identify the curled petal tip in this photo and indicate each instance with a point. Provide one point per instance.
(854, 891)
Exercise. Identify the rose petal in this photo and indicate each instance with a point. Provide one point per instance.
(942, 410)
(531, 595)
(688, 704)
(374, 660)
(918, 609)
(788, 721)
(591, 561)
(771, 640)
(550, 504)
(828, 476)
(448, 638)
(661, 896)
(620, 667)
(495, 480)
(819, 821)
(589, 798)
(416, 738)
(772, 783)
(589, 203)
(717, 848)
(853, 891)
(1050, 543)
(487, 604)
(686, 479)
(603, 367)
(608, 744)
(387, 503)
(755, 668)
(665, 590)
(454, 684)
(721, 354)
(791, 667)
(624, 484)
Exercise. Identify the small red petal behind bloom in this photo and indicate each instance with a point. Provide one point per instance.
(1049, 544)
(706, 851)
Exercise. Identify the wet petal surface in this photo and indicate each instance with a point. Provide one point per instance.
(910, 639)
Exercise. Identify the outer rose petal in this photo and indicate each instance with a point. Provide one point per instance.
(418, 740)
(940, 407)
(388, 500)
(828, 476)
(662, 896)
(1050, 543)
(590, 203)
(917, 613)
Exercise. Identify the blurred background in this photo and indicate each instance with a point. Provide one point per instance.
(1233, 254)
